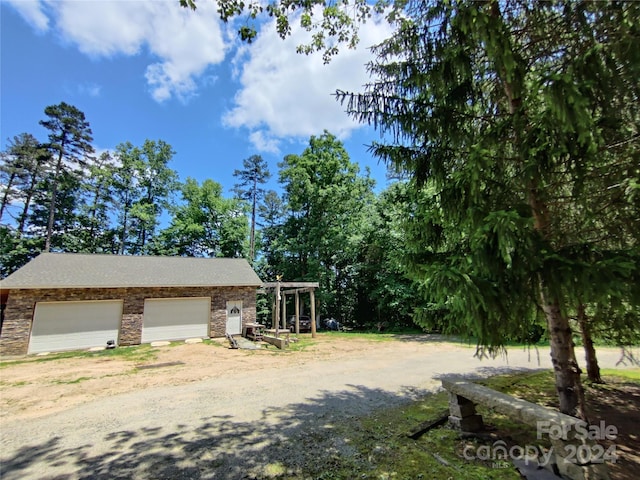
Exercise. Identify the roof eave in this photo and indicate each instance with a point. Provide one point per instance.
(87, 287)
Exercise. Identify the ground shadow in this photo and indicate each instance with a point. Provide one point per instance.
(300, 441)
(297, 443)
(618, 405)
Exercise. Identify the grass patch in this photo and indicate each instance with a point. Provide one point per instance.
(380, 446)
(630, 375)
(137, 353)
(397, 330)
(536, 387)
(71, 382)
(306, 340)
(303, 343)
(471, 341)
(14, 384)
(385, 451)
(273, 470)
(370, 336)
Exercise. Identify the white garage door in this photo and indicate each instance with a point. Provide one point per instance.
(74, 325)
(175, 318)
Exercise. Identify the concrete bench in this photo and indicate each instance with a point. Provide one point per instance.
(575, 453)
(280, 342)
(277, 332)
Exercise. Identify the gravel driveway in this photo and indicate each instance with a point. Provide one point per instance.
(250, 421)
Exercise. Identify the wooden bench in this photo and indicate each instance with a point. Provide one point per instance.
(565, 432)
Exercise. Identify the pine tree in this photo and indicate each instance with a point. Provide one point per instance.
(501, 112)
(70, 143)
(23, 164)
(254, 174)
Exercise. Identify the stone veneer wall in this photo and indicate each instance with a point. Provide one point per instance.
(18, 315)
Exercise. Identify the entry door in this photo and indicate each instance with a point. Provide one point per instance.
(234, 317)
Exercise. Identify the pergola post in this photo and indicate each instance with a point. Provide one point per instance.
(280, 311)
(312, 293)
(297, 295)
(284, 311)
(276, 316)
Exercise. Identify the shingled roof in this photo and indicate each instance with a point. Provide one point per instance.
(74, 270)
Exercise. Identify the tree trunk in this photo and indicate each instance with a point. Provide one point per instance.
(52, 206)
(593, 369)
(5, 197)
(252, 239)
(93, 213)
(567, 372)
(25, 211)
(143, 238)
(27, 201)
(565, 367)
(123, 237)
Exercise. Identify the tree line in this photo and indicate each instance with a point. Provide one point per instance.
(59, 195)
(518, 127)
(325, 225)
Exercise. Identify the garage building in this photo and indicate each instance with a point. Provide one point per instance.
(65, 301)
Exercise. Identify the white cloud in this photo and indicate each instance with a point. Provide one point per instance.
(33, 13)
(284, 94)
(101, 28)
(263, 143)
(90, 89)
(184, 42)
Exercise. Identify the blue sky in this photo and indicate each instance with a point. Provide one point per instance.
(143, 69)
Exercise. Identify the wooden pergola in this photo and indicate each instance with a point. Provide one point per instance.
(281, 290)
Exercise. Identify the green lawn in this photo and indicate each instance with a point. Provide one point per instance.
(385, 451)
(137, 353)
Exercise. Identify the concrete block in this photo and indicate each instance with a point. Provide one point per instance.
(573, 471)
(458, 399)
(278, 342)
(468, 424)
(462, 410)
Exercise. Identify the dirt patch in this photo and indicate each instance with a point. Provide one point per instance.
(619, 405)
(37, 388)
(154, 414)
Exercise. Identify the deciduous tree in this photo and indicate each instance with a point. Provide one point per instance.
(272, 213)
(327, 199)
(387, 298)
(331, 23)
(205, 224)
(96, 234)
(142, 185)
